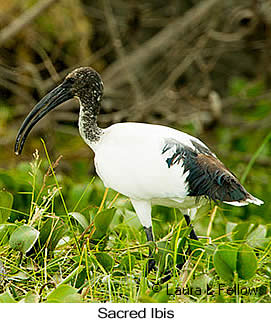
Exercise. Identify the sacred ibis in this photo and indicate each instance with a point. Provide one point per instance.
(150, 164)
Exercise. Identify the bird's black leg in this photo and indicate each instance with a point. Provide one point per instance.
(192, 234)
(151, 261)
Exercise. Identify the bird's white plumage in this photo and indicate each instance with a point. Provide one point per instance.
(129, 159)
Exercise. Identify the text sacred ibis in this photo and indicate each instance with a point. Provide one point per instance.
(151, 164)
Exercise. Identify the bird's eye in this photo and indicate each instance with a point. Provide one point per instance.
(68, 82)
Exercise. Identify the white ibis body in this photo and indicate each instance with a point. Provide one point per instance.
(151, 164)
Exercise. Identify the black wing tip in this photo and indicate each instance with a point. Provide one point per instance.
(207, 175)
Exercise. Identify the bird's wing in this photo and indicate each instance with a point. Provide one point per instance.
(206, 175)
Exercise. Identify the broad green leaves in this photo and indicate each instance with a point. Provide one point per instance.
(255, 235)
(81, 219)
(6, 298)
(51, 232)
(230, 260)
(61, 294)
(105, 260)
(102, 222)
(257, 238)
(239, 231)
(23, 238)
(127, 263)
(31, 297)
(225, 258)
(246, 262)
(64, 294)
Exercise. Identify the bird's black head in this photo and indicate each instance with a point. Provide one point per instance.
(83, 83)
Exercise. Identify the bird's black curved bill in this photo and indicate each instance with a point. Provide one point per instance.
(54, 98)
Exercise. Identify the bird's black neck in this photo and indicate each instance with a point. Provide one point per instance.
(88, 127)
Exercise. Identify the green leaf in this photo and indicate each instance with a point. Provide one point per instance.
(131, 219)
(146, 299)
(6, 201)
(31, 297)
(240, 231)
(23, 238)
(75, 272)
(102, 222)
(246, 262)
(162, 296)
(6, 298)
(51, 232)
(127, 263)
(81, 219)
(257, 237)
(225, 258)
(64, 294)
(105, 260)
(5, 232)
(201, 281)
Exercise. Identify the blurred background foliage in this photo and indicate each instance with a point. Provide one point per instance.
(199, 66)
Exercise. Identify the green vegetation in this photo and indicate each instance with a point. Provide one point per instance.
(66, 239)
